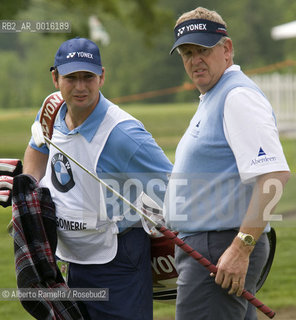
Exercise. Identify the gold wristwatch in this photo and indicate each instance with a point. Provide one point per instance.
(247, 239)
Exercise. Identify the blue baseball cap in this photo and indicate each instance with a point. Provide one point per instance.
(78, 54)
(200, 32)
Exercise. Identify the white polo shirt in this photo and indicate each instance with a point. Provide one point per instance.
(249, 140)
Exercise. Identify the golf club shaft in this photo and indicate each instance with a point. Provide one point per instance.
(171, 236)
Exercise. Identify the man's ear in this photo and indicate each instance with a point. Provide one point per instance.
(102, 77)
(55, 80)
(228, 49)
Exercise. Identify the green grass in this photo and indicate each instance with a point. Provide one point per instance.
(15, 132)
(167, 123)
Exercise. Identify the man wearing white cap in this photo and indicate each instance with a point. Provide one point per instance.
(101, 238)
(228, 157)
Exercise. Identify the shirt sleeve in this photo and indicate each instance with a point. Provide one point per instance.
(251, 132)
(132, 152)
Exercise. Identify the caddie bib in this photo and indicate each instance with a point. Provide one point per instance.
(86, 235)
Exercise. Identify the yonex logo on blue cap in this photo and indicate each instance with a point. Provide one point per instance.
(180, 31)
(80, 55)
(192, 27)
(71, 55)
(199, 25)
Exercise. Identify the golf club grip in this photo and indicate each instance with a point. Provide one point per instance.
(212, 268)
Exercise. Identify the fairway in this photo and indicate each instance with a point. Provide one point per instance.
(167, 123)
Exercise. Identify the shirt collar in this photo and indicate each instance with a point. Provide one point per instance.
(90, 126)
(233, 67)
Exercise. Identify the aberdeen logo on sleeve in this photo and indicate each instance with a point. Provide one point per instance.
(263, 158)
(61, 173)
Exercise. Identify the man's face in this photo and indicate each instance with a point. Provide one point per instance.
(205, 66)
(80, 89)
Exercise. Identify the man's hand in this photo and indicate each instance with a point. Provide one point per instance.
(234, 262)
(233, 266)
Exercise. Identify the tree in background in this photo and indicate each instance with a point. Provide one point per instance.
(8, 9)
(25, 58)
(141, 33)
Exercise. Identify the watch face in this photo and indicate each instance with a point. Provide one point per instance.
(248, 239)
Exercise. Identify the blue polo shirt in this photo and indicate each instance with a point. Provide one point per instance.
(205, 192)
(129, 153)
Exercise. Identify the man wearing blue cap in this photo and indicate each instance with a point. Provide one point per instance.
(101, 238)
(229, 166)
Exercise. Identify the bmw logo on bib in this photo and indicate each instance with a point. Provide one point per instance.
(61, 173)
